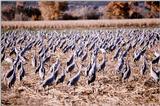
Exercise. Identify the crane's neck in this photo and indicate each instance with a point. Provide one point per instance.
(104, 56)
(151, 68)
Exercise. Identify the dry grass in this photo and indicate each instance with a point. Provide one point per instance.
(82, 23)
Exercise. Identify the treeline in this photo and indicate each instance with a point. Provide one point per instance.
(52, 10)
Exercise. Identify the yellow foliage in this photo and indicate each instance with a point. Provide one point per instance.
(51, 10)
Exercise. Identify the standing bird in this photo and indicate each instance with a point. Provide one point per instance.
(154, 74)
(61, 78)
(56, 65)
(137, 56)
(2, 57)
(71, 67)
(12, 79)
(13, 51)
(34, 61)
(117, 53)
(19, 65)
(74, 79)
(88, 68)
(21, 72)
(42, 71)
(103, 64)
(127, 73)
(50, 79)
(37, 69)
(70, 60)
(2, 50)
(156, 60)
(84, 56)
(92, 72)
(120, 64)
(11, 71)
(143, 68)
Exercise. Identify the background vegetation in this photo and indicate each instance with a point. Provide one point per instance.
(74, 10)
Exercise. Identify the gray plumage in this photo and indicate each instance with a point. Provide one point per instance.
(61, 78)
(120, 64)
(12, 79)
(49, 80)
(88, 69)
(143, 68)
(84, 56)
(156, 60)
(70, 60)
(42, 71)
(92, 72)
(74, 79)
(21, 72)
(34, 61)
(70, 67)
(56, 65)
(127, 73)
(154, 74)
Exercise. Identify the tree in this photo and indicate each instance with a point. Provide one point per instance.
(117, 10)
(154, 9)
(52, 10)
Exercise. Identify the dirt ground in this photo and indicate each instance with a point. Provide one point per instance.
(107, 90)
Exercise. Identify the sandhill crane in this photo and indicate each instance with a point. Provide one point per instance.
(56, 65)
(137, 56)
(16, 60)
(12, 79)
(21, 72)
(61, 78)
(19, 65)
(74, 79)
(62, 44)
(47, 59)
(88, 68)
(41, 50)
(10, 72)
(37, 69)
(92, 71)
(127, 73)
(124, 54)
(143, 51)
(53, 49)
(50, 79)
(34, 61)
(156, 54)
(42, 71)
(103, 64)
(154, 74)
(143, 67)
(120, 64)
(70, 67)
(70, 60)
(2, 49)
(79, 53)
(92, 46)
(117, 53)
(84, 56)
(2, 57)
(156, 60)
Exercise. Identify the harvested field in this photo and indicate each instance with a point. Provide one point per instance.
(108, 88)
